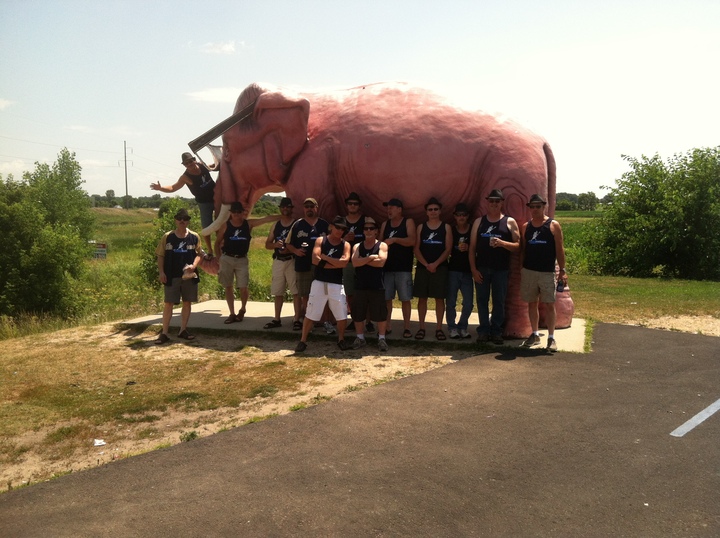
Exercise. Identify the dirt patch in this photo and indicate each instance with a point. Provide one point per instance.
(706, 325)
(33, 462)
(171, 427)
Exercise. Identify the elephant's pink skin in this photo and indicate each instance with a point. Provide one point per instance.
(384, 141)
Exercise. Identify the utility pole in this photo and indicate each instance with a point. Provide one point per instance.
(127, 196)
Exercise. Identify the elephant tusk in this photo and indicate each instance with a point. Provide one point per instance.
(219, 220)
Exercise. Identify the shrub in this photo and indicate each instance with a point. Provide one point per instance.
(663, 220)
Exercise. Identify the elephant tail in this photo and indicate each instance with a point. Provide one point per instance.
(551, 178)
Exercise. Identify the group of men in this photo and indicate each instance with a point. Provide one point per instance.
(353, 265)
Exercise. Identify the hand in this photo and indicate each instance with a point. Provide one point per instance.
(350, 236)
(163, 277)
(463, 247)
(155, 186)
(431, 267)
(477, 276)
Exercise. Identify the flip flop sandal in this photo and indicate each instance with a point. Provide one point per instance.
(407, 333)
(297, 326)
(420, 334)
(240, 315)
(440, 335)
(272, 324)
(162, 339)
(186, 336)
(231, 319)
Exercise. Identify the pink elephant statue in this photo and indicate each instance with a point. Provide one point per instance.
(382, 141)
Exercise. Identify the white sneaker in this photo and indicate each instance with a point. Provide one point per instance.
(454, 334)
(464, 334)
(329, 327)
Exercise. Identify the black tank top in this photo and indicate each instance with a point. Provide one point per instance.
(357, 229)
(280, 233)
(487, 256)
(368, 277)
(325, 273)
(400, 258)
(539, 248)
(459, 260)
(236, 241)
(202, 185)
(432, 242)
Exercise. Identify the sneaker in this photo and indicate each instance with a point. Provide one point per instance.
(531, 341)
(454, 334)
(358, 343)
(551, 344)
(464, 333)
(302, 346)
(369, 327)
(497, 339)
(382, 344)
(329, 327)
(343, 345)
(483, 338)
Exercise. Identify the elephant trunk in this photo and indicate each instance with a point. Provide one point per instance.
(219, 221)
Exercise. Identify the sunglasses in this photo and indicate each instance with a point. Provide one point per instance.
(353, 203)
(184, 219)
(369, 227)
(287, 207)
(535, 206)
(494, 201)
(433, 209)
(309, 206)
(461, 215)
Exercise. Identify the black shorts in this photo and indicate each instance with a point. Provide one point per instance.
(369, 305)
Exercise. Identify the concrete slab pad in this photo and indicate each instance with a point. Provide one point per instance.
(212, 315)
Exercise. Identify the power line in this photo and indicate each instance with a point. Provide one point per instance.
(57, 146)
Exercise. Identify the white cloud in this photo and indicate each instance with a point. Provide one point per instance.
(4, 103)
(227, 47)
(216, 95)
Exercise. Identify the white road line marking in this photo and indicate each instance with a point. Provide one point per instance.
(697, 419)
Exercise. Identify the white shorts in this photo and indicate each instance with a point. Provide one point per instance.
(322, 293)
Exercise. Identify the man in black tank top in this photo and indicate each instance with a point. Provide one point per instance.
(232, 244)
(493, 238)
(369, 303)
(433, 244)
(198, 180)
(329, 255)
(459, 274)
(398, 233)
(355, 220)
(542, 245)
(283, 268)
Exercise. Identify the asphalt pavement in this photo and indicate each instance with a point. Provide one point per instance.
(505, 443)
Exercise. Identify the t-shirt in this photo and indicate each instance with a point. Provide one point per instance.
(304, 233)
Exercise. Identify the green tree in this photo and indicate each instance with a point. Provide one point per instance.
(587, 201)
(664, 219)
(47, 223)
(110, 198)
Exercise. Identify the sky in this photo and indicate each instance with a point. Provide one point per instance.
(598, 80)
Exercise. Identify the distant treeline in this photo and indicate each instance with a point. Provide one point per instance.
(267, 205)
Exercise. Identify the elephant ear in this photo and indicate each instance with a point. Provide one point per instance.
(283, 121)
